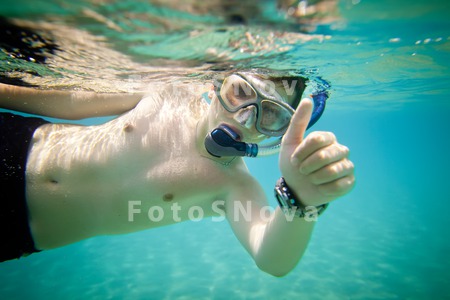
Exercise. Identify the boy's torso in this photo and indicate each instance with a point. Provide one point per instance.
(119, 176)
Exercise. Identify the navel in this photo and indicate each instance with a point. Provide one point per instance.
(168, 197)
(53, 182)
(51, 178)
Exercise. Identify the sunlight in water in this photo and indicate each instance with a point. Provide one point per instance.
(386, 67)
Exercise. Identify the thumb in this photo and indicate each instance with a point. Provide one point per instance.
(299, 123)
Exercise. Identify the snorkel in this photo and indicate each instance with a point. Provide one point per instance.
(223, 141)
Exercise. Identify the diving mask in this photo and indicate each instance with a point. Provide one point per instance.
(273, 113)
(273, 116)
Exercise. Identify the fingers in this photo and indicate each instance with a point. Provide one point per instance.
(338, 187)
(315, 141)
(299, 123)
(332, 172)
(322, 157)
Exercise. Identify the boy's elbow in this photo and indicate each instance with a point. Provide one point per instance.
(274, 269)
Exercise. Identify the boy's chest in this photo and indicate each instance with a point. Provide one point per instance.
(187, 179)
(185, 186)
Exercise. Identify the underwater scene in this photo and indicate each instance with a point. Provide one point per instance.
(386, 68)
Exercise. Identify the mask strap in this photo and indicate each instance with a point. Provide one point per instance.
(319, 99)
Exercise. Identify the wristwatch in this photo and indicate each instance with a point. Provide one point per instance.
(289, 203)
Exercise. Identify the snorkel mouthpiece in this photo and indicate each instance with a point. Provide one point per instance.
(222, 141)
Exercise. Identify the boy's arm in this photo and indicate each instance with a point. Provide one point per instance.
(276, 242)
(65, 104)
(316, 170)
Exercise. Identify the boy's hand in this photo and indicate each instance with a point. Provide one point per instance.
(316, 168)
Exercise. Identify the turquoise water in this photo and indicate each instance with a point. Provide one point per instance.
(388, 64)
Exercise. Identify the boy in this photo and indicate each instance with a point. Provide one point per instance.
(157, 161)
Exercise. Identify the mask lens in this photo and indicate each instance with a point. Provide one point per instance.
(236, 92)
(274, 118)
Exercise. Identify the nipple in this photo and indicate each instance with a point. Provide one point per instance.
(128, 127)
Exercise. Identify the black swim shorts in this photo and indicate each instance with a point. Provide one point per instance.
(16, 133)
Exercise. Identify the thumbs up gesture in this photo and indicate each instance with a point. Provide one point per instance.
(316, 167)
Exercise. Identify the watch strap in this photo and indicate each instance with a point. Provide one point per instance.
(289, 203)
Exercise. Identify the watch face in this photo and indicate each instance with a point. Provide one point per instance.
(281, 197)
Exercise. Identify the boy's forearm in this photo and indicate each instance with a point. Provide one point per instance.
(69, 105)
(283, 243)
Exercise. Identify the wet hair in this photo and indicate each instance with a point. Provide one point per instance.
(289, 86)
